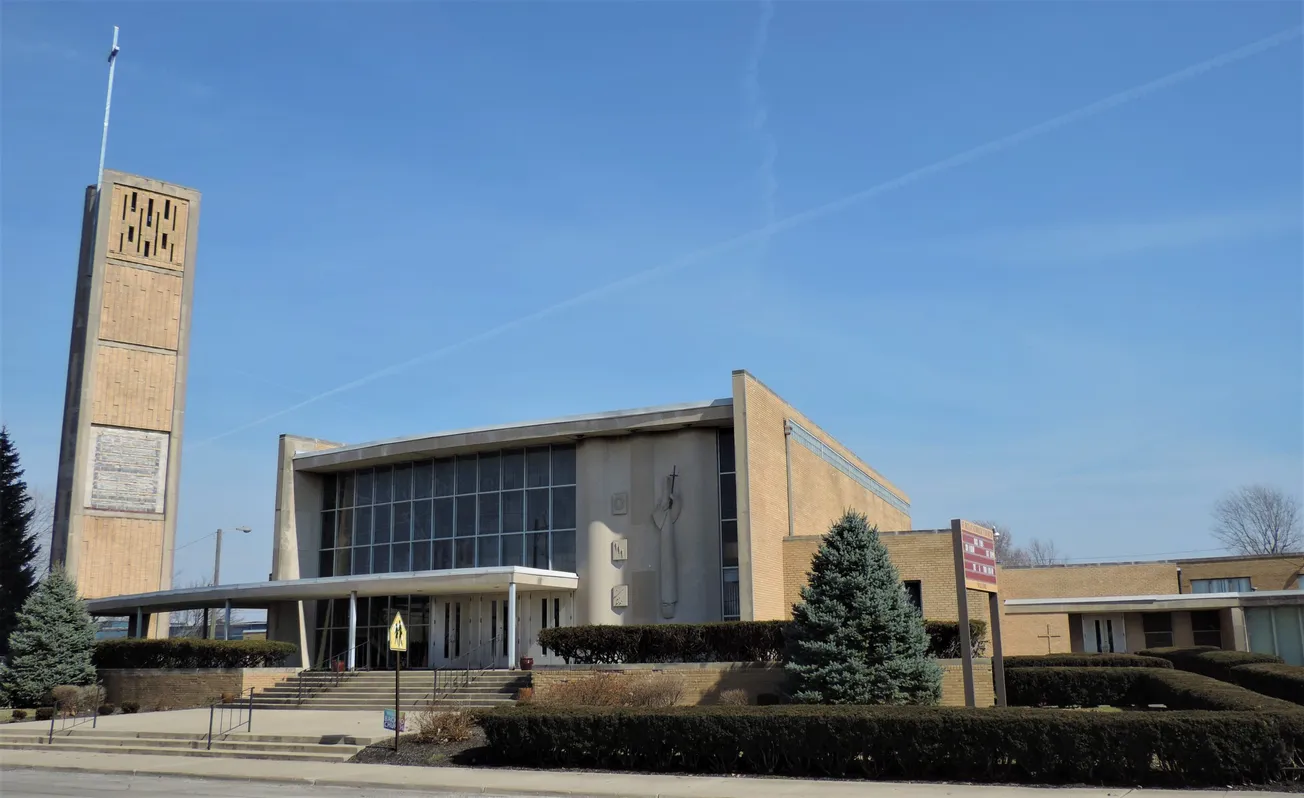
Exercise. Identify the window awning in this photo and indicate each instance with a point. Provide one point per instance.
(258, 595)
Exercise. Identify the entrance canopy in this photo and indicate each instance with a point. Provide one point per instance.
(258, 595)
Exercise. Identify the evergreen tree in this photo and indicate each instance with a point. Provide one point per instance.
(52, 645)
(18, 546)
(855, 638)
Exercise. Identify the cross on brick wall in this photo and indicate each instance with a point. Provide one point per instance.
(1048, 637)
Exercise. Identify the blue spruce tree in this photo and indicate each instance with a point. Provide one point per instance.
(52, 645)
(855, 638)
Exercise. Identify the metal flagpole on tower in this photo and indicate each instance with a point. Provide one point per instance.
(108, 101)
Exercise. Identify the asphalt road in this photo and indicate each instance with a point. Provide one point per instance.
(47, 783)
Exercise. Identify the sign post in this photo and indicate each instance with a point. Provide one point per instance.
(397, 644)
(975, 569)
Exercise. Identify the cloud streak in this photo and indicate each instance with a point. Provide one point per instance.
(758, 114)
(796, 220)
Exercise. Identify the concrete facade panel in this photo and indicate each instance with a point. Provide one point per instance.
(133, 388)
(140, 306)
(120, 556)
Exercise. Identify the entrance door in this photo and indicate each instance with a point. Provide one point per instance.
(451, 630)
(539, 611)
(1103, 634)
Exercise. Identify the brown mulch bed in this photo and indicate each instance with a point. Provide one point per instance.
(470, 753)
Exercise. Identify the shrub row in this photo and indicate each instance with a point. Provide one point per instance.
(917, 743)
(184, 652)
(732, 641)
(1262, 673)
(1086, 661)
(1133, 687)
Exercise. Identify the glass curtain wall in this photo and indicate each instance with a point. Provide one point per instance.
(374, 617)
(509, 507)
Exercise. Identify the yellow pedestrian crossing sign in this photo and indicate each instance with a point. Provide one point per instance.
(397, 634)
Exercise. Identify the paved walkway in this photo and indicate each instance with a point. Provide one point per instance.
(496, 781)
(269, 721)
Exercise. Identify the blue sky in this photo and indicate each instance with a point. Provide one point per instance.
(1088, 332)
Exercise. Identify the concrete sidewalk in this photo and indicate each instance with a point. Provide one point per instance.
(530, 782)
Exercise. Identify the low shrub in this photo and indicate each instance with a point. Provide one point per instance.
(735, 698)
(1209, 661)
(107, 709)
(1132, 687)
(729, 641)
(656, 689)
(1262, 673)
(44, 713)
(614, 689)
(130, 707)
(996, 745)
(75, 700)
(188, 652)
(443, 726)
(1086, 661)
(19, 714)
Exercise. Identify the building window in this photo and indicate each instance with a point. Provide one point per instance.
(1158, 627)
(454, 512)
(915, 594)
(1206, 628)
(731, 606)
(1232, 584)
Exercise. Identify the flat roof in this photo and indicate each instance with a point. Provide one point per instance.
(715, 413)
(1159, 603)
(257, 595)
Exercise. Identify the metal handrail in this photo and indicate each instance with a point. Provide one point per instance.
(335, 676)
(228, 717)
(453, 682)
(76, 718)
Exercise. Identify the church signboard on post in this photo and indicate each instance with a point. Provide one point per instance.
(975, 569)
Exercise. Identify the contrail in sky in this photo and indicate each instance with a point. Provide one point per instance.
(758, 117)
(763, 233)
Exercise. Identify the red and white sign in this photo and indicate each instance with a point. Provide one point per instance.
(978, 556)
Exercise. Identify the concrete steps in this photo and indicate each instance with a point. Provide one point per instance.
(374, 690)
(233, 746)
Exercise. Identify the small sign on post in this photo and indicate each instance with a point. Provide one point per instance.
(975, 569)
(398, 643)
(395, 720)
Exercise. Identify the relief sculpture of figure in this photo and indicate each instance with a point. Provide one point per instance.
(664, 516)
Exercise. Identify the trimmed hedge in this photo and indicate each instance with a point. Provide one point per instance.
(1262, 673)
(1271, 678)
(186, 652)
(730, 641)
(1133, 687)
(1086, 661)
(1191, 749)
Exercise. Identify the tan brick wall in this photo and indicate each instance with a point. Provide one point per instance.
(182, 689)
(148, 227)
(1265, 573)
(921, 555)
(119, 556)
(140, 306)
(133, 388)
(1026, 634)
(820, 491)
(703, 682)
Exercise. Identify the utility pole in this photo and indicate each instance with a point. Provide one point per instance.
(217, 576)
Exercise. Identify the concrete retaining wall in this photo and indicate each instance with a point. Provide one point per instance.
(705, 681)
(184, 688)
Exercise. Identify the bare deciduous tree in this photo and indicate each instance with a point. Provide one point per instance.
(1257, 519)
(43, 526)
(1043, 552)
(1007, 552)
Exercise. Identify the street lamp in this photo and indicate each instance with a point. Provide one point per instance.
(217, 576)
